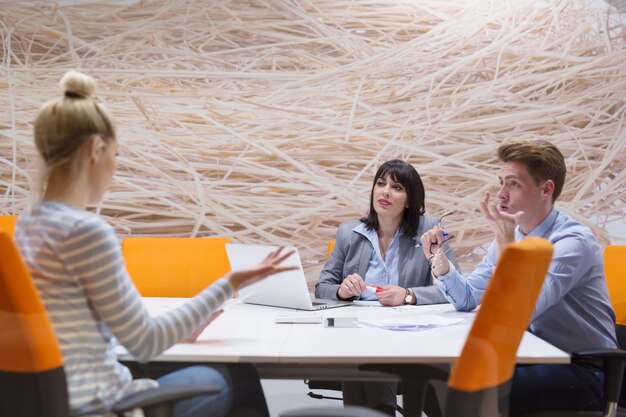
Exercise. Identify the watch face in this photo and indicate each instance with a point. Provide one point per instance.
(408, 299)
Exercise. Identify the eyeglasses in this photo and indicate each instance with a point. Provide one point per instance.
(446, 235)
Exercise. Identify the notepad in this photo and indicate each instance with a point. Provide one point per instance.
(298, 319)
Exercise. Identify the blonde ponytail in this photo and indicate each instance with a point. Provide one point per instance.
(63, 125)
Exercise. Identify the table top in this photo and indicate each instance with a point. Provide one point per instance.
(248, 333)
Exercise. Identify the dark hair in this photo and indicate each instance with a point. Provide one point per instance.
(403, 173)
(543, 160)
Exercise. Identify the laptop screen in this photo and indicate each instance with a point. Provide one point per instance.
(287, 289)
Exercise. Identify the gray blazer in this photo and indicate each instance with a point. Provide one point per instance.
(352, 254)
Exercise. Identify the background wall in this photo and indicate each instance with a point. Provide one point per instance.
(266, 120)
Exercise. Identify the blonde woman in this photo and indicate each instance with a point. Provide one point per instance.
(76, 264)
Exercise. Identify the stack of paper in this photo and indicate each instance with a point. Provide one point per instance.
(421, 322)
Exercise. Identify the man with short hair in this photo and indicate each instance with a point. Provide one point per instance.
(573, 311)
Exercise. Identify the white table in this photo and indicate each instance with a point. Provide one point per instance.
(247, 333)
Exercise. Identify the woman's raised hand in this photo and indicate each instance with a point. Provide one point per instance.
(269, 266)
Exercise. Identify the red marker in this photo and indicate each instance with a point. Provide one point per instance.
(374, 288)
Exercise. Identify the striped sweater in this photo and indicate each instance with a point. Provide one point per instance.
(76, 263)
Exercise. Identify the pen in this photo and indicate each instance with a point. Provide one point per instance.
(445, 234)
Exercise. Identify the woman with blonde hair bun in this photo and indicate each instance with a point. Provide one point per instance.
(76, 263)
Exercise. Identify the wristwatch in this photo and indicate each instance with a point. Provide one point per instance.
(409, 298)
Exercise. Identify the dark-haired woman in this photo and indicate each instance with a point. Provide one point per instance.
(378, 251)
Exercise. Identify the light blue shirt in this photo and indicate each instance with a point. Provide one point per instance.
(380, 271)
(573, 311)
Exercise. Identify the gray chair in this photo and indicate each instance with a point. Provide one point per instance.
(334, 412)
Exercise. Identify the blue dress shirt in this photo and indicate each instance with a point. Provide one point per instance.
(573, 311)
(380, 271)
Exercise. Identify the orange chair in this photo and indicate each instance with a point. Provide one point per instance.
(32, 377)
(174, 267)
(615, 272)
(479, 384)
(331, 245)
(614, 360)
(482, 375)
(7, 223)
(32, 380)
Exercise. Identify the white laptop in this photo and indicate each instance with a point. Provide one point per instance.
(287, 289)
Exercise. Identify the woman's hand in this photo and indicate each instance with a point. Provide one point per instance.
(194, 335)
(269, 266)
(391, 295)
(432, 242)
(351, 286)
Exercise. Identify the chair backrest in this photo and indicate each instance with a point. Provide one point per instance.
(7, 223)
(487, 361)
(174, 267)
(32, 379)
(615, 272)
(331, 245)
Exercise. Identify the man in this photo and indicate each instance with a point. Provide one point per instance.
(573, 311)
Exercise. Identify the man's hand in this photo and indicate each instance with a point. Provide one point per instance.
(391, 295)
(351, 286)
(194, 335)
(501, 223)
(432, 244)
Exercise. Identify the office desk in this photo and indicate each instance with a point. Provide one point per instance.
(247, 333)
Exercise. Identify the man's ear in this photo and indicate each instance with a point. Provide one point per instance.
(95, 145)
(548, 188)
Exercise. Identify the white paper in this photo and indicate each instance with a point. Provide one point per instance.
(407, 323)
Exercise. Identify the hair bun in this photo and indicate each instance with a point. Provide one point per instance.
(77, 85)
